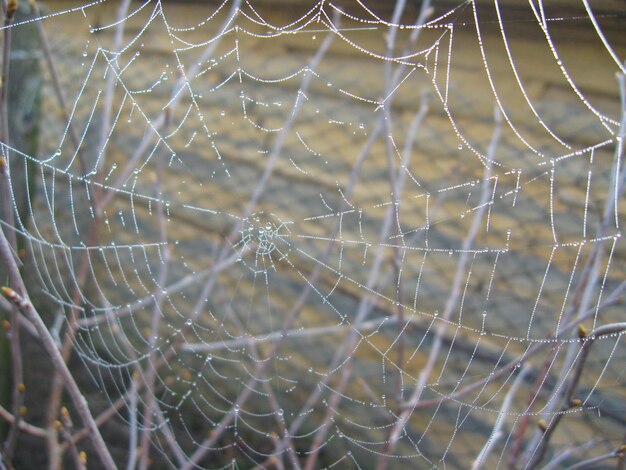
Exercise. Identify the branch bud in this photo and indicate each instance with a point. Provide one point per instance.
(11, 10)
(575, 403)
(14, 297)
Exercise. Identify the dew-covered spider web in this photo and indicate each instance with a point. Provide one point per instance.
(336, 234)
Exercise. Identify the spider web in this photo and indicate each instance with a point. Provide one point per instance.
(345, 234)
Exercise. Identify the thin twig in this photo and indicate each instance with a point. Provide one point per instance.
(10, 9)
(557, 461)
(18, 384)
(23, 425)
(56, 86)
(611, 329)
(273, 401)
(65, 426)
(150, 374)
(17, 297)
(261, 185)
(500, 420)
(55, 452)
(594, 461)
(588, 283)
(157, 125)
(614, 298)
(455, 290)
(621, 461)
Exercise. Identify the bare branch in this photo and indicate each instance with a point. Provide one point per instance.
(26, 307)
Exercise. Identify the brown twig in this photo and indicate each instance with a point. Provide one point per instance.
(594, 461)
(56, 86)
(18, 384)
(54, 450)
(612, 329)
(615, 298)
(455, 291)
(500, 420)
(26, 307)
(621, 460)
(150, 373)
(64, 426)
(23, 425)
(10, 9)
(259, 189)
(588, 283)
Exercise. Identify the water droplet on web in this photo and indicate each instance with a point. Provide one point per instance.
(280, 412)
(188, 323)
(460, 146)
